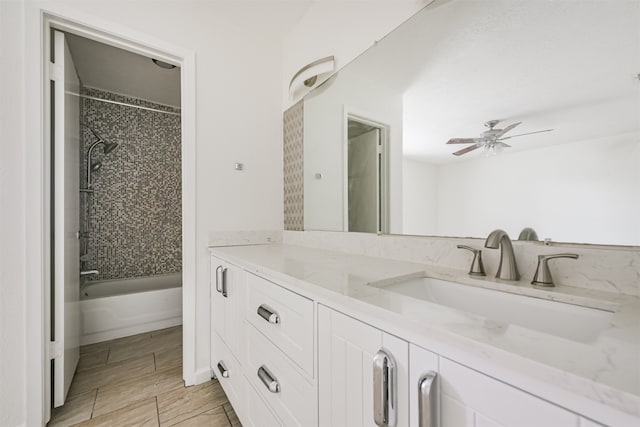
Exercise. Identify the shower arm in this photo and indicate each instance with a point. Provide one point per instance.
(99, 141)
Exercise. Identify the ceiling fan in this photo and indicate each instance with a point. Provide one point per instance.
(491, 139)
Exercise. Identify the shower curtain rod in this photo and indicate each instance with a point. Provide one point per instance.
(123, 103)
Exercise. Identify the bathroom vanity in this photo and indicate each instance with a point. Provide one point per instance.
(304, 336)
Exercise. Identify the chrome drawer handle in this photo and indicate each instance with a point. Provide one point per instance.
(221, 280)
(268, 314)
(428, 402)
(384, 390)
(223, 369)
(268, 379)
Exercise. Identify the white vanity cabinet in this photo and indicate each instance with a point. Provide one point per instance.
(280, 350)
(350, 388)
(470, 398)
(285, 318)
(285, 358)
(227, 328)
(228, 290)
(467, 398)
(424, 388)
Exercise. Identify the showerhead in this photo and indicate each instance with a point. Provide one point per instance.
(109, 147)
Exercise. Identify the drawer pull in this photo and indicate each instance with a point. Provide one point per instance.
(221, 280)
(268, 314)
(428, 401)
(268, 379)
(384, 390)
(223, 369)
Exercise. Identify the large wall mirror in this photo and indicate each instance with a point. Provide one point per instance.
(477, 115)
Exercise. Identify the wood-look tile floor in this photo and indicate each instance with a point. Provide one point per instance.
(137, 381)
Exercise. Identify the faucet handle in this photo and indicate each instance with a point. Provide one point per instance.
(477, 268)
(543, 274)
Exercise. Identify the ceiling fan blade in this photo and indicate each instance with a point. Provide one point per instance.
(502, 144)
(507, 129)
(523, 134)
(465, 150)
(461, 141)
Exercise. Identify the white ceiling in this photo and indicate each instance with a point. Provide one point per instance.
(568, 65)
(116, 70)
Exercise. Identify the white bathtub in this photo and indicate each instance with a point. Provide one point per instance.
(112, 309)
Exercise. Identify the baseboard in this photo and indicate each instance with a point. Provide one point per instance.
(202, 376)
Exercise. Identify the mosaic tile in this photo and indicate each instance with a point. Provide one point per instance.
(133, 219)
(293, 167)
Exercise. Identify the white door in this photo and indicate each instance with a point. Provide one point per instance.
(346, 351)
(65, 148)
(363, 182)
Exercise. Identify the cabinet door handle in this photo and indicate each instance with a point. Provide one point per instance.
(223, 369)
(269, 381)
(427, 400)
(221, 280)
(268, 314)
(384, 389)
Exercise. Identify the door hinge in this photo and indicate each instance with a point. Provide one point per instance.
(379, 149)
(55, 71)
(55, 350)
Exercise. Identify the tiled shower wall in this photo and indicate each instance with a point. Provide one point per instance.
(132, 223)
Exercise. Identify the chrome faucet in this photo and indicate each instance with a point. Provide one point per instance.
(543, 274)
(507, 269)
(528, 233)
(477, 268)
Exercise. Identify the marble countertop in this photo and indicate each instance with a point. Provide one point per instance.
(588, 378)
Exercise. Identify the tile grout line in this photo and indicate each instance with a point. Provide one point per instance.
(226, 414)
(93, 407)
(157, 411)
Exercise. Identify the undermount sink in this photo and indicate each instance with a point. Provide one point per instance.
(569, 321)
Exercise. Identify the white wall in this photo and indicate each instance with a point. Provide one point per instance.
(343, 29)
(551, 189)
(419, 198)
(239, 118)
(12, 224)
(242, 80)
(324, 146)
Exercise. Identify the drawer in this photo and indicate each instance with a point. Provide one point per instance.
(291, 396)
(290, 327)
(228, 371)
(256, 413)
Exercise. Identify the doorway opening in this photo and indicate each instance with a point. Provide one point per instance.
(118, 202)
(366, 172)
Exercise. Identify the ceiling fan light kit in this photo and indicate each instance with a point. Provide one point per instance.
(490, 140)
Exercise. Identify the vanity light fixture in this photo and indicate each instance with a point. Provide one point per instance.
(309, 75)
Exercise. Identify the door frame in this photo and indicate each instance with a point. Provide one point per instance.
(351, 113)
(39, 23)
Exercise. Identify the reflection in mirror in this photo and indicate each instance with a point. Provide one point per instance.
(365, 179)
(498, 114)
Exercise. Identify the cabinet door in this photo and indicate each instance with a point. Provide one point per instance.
(227, 304)
(470, 398)
(347, 348)
(424, 401)
(228, 371)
